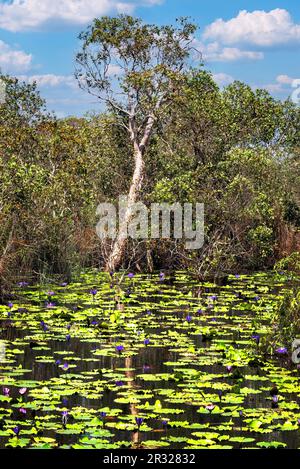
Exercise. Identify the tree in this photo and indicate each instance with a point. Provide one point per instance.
(137, 71)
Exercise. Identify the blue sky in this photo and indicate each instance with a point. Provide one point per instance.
(256, 41)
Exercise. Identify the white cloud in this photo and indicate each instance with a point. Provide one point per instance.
(285, 80)
(19, 15)
(215, 52)
(50, 80)
(13, 60)
(259, 28)
(222, 79)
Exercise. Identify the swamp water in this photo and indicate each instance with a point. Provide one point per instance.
(172, 363)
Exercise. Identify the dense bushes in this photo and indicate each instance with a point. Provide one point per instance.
(235, 150)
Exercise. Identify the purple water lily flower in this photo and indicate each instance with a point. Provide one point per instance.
(10, 305)
(50, 293)
(94, 292)
(162, 276)
(188, 318)
(103, 414)
(65, 415)
(68, 337)
(139, 421)
(146, 367)
(58, 362)
(147, 341)
(119, 383)
(213, 297)
(16, 430)
(210, 407)
(130, 275)
(229, 368)
(23, 284)
(281, 351)
(275, 399)
(256, 337)
(65, 366)
(6, 392)
(69, 326)
(120, 348)
(22, 411)
(50, 304)
(165, 423)
(22, 391)
(237, 276)
(241, 413)
(64, 284)
(256, 298)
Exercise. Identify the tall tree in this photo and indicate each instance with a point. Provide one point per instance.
(137, 70)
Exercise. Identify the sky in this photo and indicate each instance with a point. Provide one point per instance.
(255, 41)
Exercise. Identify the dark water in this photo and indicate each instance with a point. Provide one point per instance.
(229, 318)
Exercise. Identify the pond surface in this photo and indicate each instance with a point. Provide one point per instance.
(162, 362)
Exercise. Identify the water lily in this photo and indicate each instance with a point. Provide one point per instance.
(130, 275)
(22, 391)
(119, 383)
(120, 348)
(103, 414)
(139, 421)
(65, 366)
(188, 318)
(68, 337)
(281, 351)
(256, 337)
(229, 368)
(10, 305)
(16, 430)
(58, 362)
(23, 284)
(147, 341)
(93, 292)
(50, 293)
(22, 411)
(65, 415)
(64, 284)
(6, 391)
(210, 407)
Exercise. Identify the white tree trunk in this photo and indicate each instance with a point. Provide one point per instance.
(119, 245)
